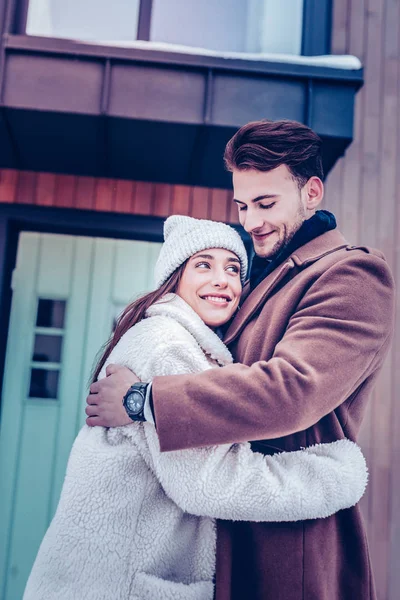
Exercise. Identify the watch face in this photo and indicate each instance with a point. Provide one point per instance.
(134, 402)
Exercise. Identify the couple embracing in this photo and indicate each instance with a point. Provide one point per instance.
(224, 464)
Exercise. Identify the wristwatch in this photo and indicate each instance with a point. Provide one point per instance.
(134, 400)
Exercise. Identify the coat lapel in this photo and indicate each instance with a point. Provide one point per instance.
(255, 298)
(315, 249)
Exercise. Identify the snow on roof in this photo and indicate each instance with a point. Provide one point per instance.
(351, 63)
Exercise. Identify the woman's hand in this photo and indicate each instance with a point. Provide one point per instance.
(104, 403)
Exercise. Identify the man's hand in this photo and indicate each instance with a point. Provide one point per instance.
(105, 399)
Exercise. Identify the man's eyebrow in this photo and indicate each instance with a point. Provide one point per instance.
(264, 197)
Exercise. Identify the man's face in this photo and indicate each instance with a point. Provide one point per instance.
(271, 207)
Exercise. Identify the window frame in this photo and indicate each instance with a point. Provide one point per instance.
(316, 28)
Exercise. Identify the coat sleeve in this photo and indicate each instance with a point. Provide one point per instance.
(232, 482)
(337, 337)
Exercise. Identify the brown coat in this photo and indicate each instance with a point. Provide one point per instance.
(310, 340)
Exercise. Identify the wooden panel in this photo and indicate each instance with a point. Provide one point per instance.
(143, 199)
(104, 194)
(119, 195)
(16, 381)
(181, 200)
(65, 190)
(71, 399)
(340, 26)
(233, 213)
(31, 519)
(99, 318)
(26, 187)
(133, 269)
(394, 509)
(162, 199)
(124, 192)
(45, 189)
(8, 183)
(56, 253)
(219, 205)
(364, 190)
(201, 201)
(84, 195)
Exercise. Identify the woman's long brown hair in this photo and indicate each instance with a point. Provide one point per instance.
(135, 312)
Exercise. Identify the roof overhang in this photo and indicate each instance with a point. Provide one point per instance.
(132, 113)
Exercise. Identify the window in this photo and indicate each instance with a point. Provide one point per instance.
(47, 349)
(267, 26)
(230, 25)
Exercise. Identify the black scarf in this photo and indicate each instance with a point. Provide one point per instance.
(319, 223)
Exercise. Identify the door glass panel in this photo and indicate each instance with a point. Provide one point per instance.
(44, 384)
(47, 348)
(51, 313)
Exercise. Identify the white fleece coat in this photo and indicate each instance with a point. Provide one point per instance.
(125, 527)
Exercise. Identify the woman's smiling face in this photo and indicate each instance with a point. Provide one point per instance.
(211, 285)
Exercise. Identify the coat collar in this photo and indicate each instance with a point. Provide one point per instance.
(176, 308)
(304, 256)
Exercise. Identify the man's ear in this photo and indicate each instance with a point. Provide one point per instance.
(314, 192)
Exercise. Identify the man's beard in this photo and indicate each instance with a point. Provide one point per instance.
(288, 234)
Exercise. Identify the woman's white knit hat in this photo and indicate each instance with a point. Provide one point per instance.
(184, 236)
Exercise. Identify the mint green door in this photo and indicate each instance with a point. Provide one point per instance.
(67, 292)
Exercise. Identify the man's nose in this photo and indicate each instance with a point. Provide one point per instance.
(253, 220)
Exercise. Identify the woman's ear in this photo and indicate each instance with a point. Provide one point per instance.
(314, 192)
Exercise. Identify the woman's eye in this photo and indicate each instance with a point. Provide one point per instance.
(203, 264)
(233, 269)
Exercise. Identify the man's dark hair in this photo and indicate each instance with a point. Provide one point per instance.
(265, 145)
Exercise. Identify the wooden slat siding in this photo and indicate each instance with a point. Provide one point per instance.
(84, 193)
(65, 190)
(351, 166)
(119, 195)
(143, 198)
(200, 203)
(233, 214)
(181, 200)
(124, 194)
(371, 157)
(350, 214)
(45, 189)
(219, 205)
(394, 514)
(333, 192)
(26, 187)
(383, 406)
(340, 26)
(339, 44)
(162, 199)
(8, 185)
(371, 215)
(387, 234)
(104, 194)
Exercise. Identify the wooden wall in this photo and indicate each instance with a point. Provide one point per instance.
(363, 191)
(116, 195)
